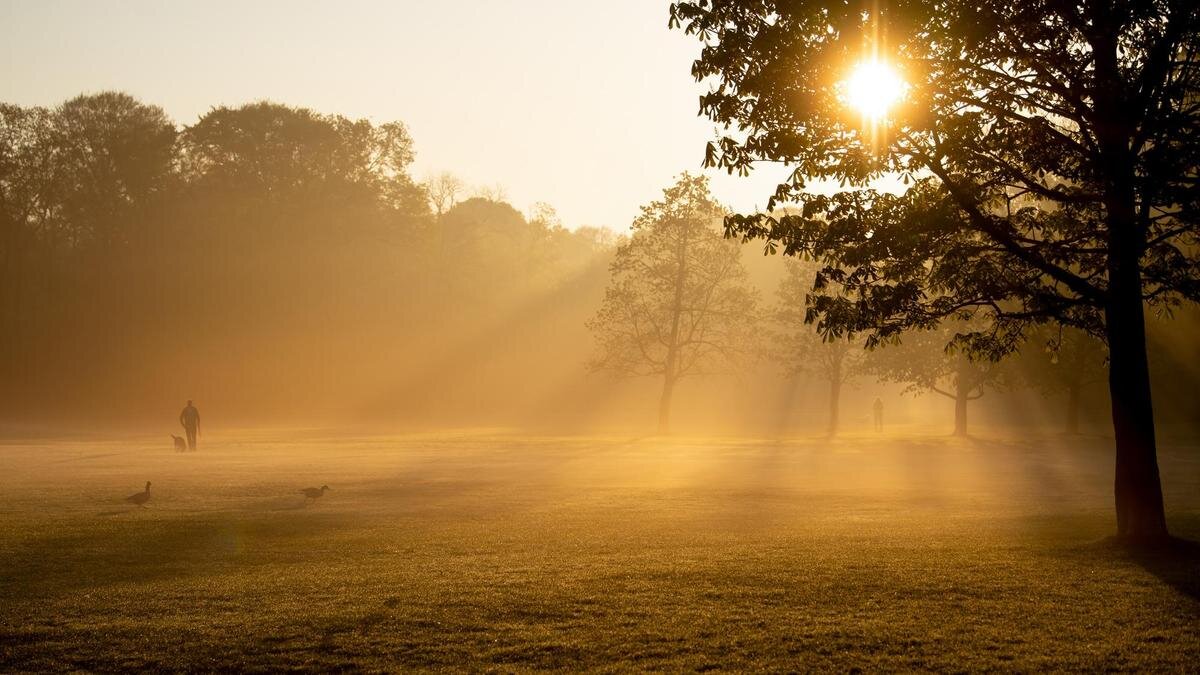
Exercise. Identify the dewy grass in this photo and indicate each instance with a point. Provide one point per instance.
(507, 552)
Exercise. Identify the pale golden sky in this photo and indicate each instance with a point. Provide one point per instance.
(587, 106)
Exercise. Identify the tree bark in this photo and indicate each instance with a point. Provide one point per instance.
(960, 412)
(1137, 488)
(962, 390)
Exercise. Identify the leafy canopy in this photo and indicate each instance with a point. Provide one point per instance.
(1054, 142)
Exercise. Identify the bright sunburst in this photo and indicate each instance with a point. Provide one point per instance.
(873, 88)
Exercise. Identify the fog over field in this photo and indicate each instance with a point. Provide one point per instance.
(498, 550)
(740, 335)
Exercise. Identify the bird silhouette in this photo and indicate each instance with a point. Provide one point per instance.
(314, 493)
(140, 498)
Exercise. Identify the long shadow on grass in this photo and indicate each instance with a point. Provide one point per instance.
(1176, 562)
(152, 550)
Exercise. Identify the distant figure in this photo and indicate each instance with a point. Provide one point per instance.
(140, 498)
(877, 409)
(180, 444)
(314, 493)
(190, 419)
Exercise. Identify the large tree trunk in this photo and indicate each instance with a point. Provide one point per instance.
(1137, 488)
(1073, 398)
(960, 412)
(962, 390)
(664, 405)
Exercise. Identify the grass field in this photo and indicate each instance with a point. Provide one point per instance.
(507, 552)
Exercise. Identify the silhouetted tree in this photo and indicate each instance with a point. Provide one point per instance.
(679, 300)
(492, 193)
(28, 209)
(545, 216)
(282, 196)
(1084, 113)
(932, 361)
(79, 187)
(796, 344)
(490, 248)
(269, 153)
(444, 191)
(1068, 363)
(113, 155)
(279, 255)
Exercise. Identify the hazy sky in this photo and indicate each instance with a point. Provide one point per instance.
(586, 105)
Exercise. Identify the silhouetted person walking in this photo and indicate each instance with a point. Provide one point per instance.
(877, 410)
(190, 419)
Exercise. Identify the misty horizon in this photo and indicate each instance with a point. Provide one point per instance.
(687, 335)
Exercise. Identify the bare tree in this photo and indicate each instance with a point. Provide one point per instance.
(679, 301)
(444, 190)
(493, 193)
(545, 215)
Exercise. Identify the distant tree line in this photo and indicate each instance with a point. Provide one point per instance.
(131, 246)
(281, 259)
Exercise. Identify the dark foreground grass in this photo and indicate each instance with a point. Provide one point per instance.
(512, 553)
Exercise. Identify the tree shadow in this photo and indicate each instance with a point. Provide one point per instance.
(1174, 561)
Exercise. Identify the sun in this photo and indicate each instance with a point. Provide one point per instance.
(872, 88)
